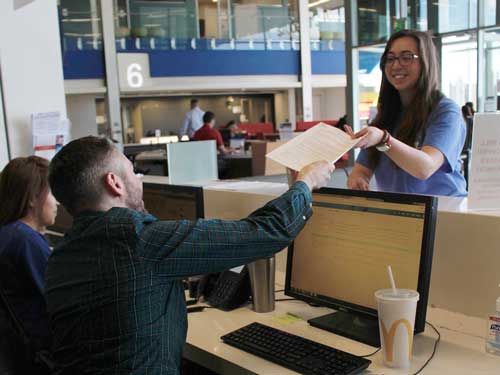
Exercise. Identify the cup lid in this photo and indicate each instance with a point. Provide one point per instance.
(402, 295)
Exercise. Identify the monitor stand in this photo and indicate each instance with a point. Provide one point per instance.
(359, 327)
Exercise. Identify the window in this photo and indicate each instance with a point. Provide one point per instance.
(459, 67)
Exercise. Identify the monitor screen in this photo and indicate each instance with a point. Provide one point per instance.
(341, 256)
(173, 202)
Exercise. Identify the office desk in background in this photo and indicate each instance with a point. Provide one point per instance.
(154, 162)
(238, 165)
(458, 353)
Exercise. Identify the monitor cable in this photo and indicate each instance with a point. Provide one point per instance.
(428, 360)
(433, 351)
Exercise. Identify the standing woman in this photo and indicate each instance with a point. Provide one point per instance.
(415, 141)
(26, 207)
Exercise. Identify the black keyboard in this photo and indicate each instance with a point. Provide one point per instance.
(294, 352)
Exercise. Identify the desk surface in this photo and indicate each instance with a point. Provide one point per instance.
(458, 353)
(277, 184)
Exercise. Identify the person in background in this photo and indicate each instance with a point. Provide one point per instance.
(114, 288)
(27, 207)
(192, 121)
(414, 143)
(470, 106)
(468, 115)
(233, 127)
(207, 132)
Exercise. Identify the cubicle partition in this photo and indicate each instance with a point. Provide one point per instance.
(191, 162)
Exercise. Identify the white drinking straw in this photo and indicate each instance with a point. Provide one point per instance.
(391, 278)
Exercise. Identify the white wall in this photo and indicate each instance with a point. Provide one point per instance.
(30, 58)
(82, 114)
(331, 101)
(281, 107)
(4, 155)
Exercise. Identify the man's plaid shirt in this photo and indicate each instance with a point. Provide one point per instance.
(114, 292)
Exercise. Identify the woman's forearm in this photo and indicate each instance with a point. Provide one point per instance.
(419, 163)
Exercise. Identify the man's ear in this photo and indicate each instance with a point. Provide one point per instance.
(114, 184)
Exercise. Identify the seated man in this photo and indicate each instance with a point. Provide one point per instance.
(114, 292)
(208, 133)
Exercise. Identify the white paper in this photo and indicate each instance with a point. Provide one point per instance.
(45, 123)
(484, 176)
(50, 133)
(321, 142)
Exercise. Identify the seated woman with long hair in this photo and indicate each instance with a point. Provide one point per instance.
(414, 143)
(27, 207)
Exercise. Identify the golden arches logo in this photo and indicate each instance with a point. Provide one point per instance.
(389, 337)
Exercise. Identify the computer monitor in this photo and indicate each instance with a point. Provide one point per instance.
(63, 221)
(173, 202)
(132, 149)
(340, 258)
(226, 135)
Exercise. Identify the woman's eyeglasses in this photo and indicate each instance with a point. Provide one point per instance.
(405, 59)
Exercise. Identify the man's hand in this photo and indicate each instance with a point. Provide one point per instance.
(317, 174)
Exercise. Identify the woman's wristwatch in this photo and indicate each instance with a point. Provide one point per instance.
(385, 143)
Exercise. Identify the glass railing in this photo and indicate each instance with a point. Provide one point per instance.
(492, 64)
(377, 20)
(152, 43)
(73, 43)
(80, 26)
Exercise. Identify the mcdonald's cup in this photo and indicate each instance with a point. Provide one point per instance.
(396, 318)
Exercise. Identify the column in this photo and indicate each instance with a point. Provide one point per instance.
(305, 60)
(4, 145)
(82, 114)
(113, 88)
(32, 73)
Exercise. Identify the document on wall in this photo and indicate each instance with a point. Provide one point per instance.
(484, 176)
(50, 133)
(321, 142)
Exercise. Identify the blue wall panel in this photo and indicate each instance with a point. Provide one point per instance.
(89, 64)
(83, 64)
(226, 63)
(328, 62)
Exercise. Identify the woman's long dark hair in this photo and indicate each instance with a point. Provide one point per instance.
(427, 96)
(22, 181)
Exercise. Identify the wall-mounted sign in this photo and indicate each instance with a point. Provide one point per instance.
(50, 133)
(133, 71)
(484, 176)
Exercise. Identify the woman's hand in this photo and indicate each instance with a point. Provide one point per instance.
(368, 137)
(360, 177)
(358, 182)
